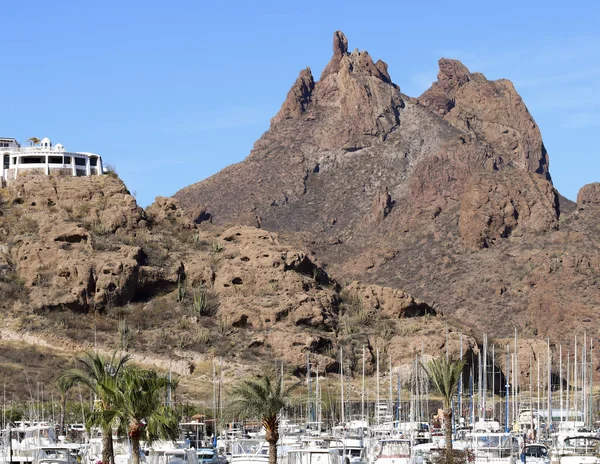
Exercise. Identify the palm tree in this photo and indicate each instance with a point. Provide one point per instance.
(64, 384)
(263, 397)
(33, 141)
(100, 374)
(141, 409)
(445, 374)
(172, 384)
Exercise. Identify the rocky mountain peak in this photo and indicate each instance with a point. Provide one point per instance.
(357, 62)
(492, 111)
(354, 104)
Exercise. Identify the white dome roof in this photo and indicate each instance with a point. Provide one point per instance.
(59, 146)
(46, 140)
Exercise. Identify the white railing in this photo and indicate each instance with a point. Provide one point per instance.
(31, 149)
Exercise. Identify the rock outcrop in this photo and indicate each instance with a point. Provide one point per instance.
(492, 111)
(495, 205)
(57, 234)
(388, 302)
(589, 195)
(298, 98)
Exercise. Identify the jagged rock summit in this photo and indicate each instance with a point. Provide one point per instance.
(447, 196)
(354, 97)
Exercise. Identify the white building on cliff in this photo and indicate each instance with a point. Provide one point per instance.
(46, 159)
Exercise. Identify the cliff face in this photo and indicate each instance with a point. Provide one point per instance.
(447, 196)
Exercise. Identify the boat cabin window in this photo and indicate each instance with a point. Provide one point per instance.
(53, 454)
(534, 451)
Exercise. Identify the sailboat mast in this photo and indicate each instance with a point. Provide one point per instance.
(362, 396)
(531, 393)
(584, 377)
(507, 423)
(483, 400)
(479, 384)
(399, 396)
(391, 397)
(493, 381)
(538, 386)
(342, 415)
(560, 376)
(460, 380)
(514, 387)
(377, 392)
(309, 381)
(221, 390)
(591, 401)
(575, 380)
(318, 398)
(516, 376)
(568, 383)
(472, 405)
(214, 394)
(549, 387)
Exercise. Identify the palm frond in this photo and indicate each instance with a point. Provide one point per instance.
(445, 374)
(262, 398)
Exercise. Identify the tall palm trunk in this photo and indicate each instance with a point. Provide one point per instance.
(135, 450)
(134, 435)
(108, 456)
(272, 452)
(271, 426)
(448, 429)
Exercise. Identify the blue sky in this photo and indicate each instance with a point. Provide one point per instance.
(172, 92)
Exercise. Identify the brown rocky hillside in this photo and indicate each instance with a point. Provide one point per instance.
(447, 196)
(83, 267)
